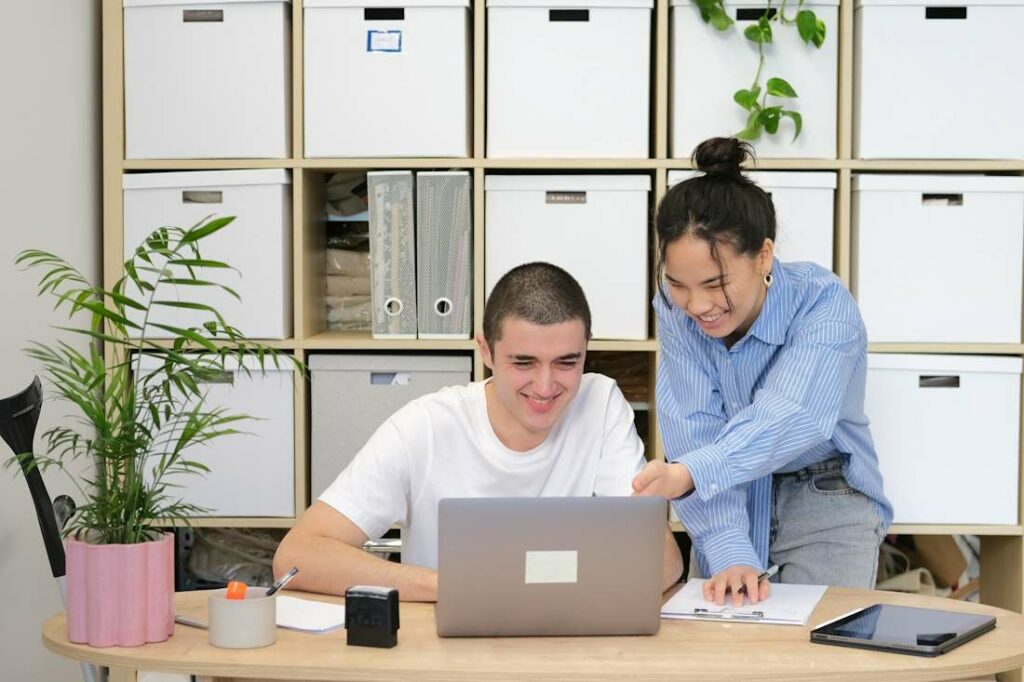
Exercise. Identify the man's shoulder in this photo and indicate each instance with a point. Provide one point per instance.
(821, 296)
(597, 383)
(596, 392)
(451, 403)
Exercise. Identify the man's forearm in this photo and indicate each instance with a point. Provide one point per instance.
(673, 562)
(330, 566)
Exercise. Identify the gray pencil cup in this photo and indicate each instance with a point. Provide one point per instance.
(247, 623)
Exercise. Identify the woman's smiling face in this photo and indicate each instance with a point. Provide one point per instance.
(724, 298)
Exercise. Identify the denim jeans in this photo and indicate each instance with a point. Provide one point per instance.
(823, 532)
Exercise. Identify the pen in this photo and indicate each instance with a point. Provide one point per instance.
(283, 580)
(772, 570)
(185, 620)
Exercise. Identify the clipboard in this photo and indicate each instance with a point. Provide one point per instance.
(787, 605)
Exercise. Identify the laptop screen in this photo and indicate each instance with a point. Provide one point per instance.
(550, 566)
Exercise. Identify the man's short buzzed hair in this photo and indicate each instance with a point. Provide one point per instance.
(540, 293)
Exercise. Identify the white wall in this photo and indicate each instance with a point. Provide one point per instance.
(50, 179)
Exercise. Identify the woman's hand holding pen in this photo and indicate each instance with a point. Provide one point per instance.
(660, 479)
(738, 580)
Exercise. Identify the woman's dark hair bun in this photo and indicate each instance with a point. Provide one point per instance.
(722, 155)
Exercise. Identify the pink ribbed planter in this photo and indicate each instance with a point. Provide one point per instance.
(120, 595)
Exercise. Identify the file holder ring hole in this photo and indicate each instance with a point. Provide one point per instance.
(393, 307)
(443, 307)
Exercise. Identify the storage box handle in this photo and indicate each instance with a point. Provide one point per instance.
(219, 378)
(202, 16)
(393, 307)
(565, 197)
(390, 378)
(192, 196)
(932, 199)
(945, 12)
(384, 14)
(568, 15)
(755, 13)
(934, 381)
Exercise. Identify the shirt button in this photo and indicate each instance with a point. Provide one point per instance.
(735, 406)
(713, 487)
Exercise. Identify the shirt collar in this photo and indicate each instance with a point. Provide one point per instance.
(771, 323)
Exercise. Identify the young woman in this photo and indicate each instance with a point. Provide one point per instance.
(760, 395)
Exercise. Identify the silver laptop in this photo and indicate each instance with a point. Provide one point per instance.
(550, 566)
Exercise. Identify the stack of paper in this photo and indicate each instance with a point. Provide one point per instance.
(787, 605)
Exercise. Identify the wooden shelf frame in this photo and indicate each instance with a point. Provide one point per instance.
(385, 163)
(1003, 548)
(992, 531)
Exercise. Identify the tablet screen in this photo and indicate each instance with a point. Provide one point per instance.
(902, 625)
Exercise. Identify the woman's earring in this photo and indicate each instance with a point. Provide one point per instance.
(768, 280)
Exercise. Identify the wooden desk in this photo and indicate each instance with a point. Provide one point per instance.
(682, 650)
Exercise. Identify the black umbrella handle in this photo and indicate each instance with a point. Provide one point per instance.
(44, 513)
(19, 415)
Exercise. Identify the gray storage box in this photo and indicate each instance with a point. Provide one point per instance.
(352, 395)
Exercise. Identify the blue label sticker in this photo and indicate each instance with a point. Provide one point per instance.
(383, 41)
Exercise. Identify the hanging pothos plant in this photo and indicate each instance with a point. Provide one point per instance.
(765, 115)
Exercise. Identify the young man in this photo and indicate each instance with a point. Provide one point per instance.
(537, 427)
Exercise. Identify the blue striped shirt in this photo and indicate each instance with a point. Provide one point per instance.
(790, 393)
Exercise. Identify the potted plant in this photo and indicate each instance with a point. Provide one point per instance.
(136, 428)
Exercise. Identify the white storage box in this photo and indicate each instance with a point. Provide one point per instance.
(804, 212)
(938, 80)
(593, 226)
(946, 429)
(207, 80)
(568, 79)
(258, 244)
(387, 79)
(251, 473)
(708, 66)
(938, 257)
(352, 395)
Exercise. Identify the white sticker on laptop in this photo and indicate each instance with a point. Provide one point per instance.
(383, 41)
(551, 567)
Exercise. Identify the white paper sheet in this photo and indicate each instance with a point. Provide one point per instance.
(307, 615)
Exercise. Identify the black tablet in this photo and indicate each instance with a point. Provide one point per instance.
(903, 629)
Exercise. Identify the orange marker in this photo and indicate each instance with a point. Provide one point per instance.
(236, 589)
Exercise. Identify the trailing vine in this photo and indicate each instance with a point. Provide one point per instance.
(764, 115)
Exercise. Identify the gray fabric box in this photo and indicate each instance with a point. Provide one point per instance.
(352, 395)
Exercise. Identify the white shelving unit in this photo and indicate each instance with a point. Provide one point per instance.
(1002, 546)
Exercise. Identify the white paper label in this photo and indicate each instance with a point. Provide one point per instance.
(383, 41)
(551, 567)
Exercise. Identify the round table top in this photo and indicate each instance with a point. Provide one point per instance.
(682, 650)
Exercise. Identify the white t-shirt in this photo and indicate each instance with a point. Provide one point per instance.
(442, 445)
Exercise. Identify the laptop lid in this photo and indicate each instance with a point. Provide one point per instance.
(550, 566)
(904, 629)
